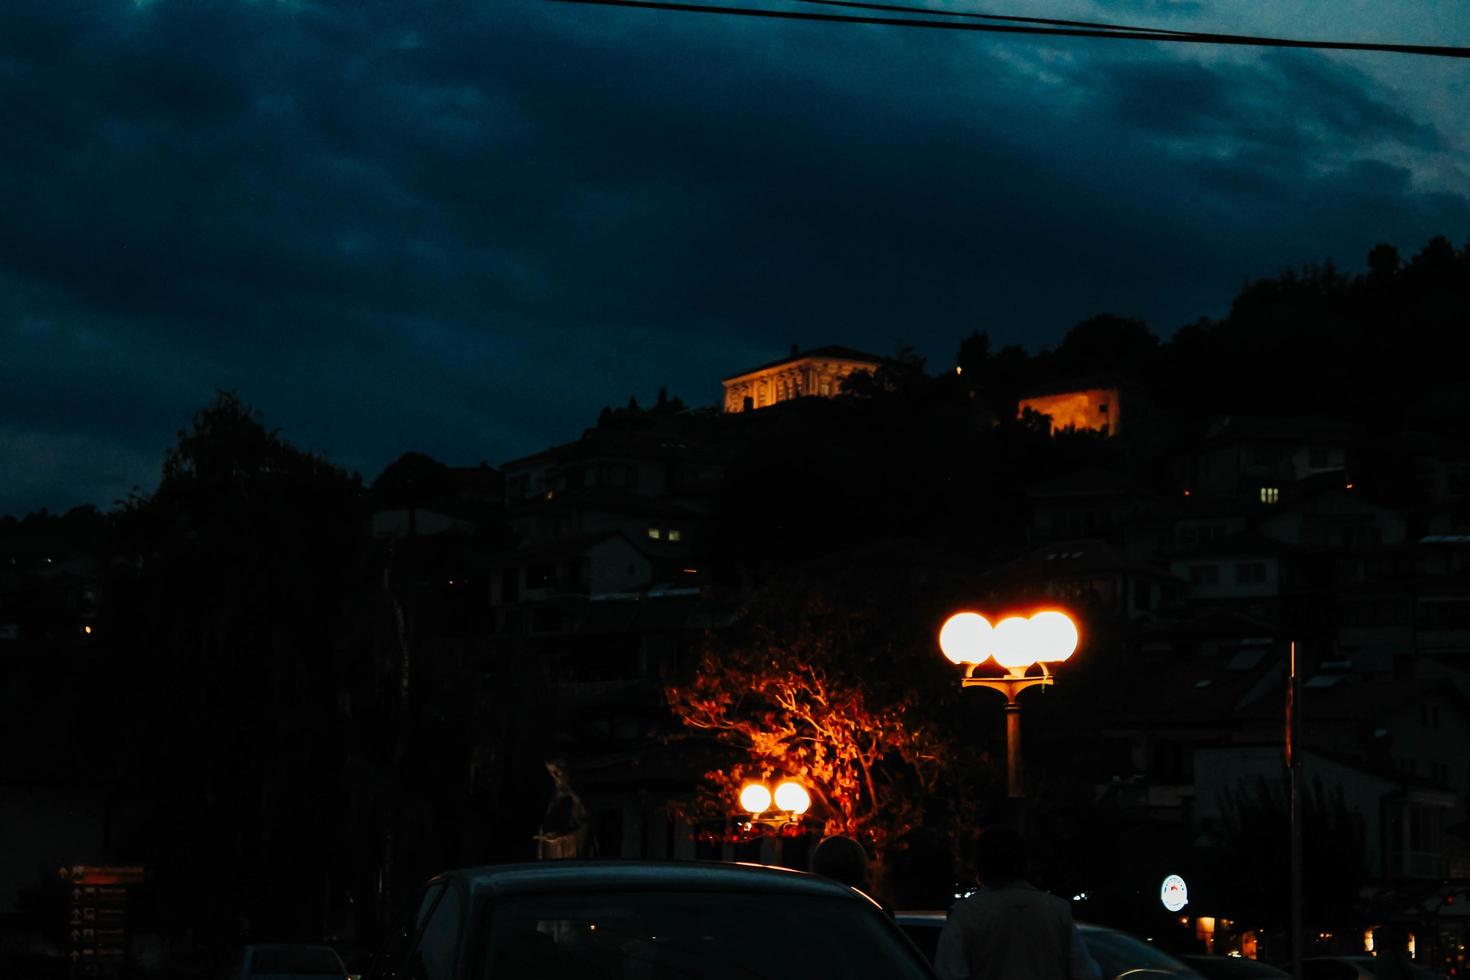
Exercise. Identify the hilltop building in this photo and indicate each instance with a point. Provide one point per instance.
(1096, 407)
(819, 372)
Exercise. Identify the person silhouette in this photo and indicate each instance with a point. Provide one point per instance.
(1010, 929)
(841, 859)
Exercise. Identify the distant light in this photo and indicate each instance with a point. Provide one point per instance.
(1348, 487)
(793, 797)
(1080, 897)
(1186, 493)
(958, 369)
(87, 630)
(755, 798)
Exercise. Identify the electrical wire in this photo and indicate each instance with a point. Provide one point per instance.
(1432, 50)
(1049, 21)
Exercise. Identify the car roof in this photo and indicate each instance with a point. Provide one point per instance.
(594, 876)
(1344, 959)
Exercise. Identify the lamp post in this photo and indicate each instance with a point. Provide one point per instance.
(1016, 643)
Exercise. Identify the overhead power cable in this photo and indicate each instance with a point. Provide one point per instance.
(971, 15)
(1146, 34)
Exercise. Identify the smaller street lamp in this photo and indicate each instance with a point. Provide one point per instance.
(790, 800)
(1016, 643)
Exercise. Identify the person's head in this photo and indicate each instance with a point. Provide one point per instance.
(841, 859)
(1000, 856)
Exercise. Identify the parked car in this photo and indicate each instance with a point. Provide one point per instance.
(1116, 952)
(1120, 954)
(1233, 968)
(1351, 968)
(673, 920)
(281, 961)
(923, 929)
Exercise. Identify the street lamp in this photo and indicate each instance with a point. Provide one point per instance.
(1015, 643)
(790, 800)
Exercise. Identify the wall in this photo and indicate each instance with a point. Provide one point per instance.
(1091, 408)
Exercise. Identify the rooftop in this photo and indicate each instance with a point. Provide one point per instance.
(833, 351)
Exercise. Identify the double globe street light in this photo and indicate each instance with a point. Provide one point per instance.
(1016, 643)
(791, 800)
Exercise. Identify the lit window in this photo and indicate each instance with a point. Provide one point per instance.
(655, 533)
(1270, 495)
(674, 534)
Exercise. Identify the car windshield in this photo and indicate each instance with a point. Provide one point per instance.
(295, 961)
(1118, 953)
(694, 936)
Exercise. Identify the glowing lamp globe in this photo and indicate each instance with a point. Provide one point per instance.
(1014, 646)
(965, 638)
(1054, 635)
(755, 798)
(793, 797)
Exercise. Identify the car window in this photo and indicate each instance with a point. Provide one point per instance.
(426, 905)
(694, 936)
(925, 936)
(390, 962)
(295, 961)
(438, 943)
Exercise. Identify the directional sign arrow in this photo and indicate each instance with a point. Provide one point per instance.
(75, 936)
(76, 916)
(76, 894)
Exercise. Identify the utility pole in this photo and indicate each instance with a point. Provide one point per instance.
(1294, 772)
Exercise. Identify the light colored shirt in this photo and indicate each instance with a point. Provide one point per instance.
(1013, 932)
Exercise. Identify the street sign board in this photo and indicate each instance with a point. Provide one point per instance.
(104, 895)
(97, 918)
(109, 874)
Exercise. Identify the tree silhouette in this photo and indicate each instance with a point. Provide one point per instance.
(806, 685)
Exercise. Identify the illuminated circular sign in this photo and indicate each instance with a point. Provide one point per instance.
(1174, 893)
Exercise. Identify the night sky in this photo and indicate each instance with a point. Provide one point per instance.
(462, 228)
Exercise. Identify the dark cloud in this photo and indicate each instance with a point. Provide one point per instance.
(462, 229)
(1284, 101)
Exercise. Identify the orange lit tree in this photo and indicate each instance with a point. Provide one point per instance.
(824, 690)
